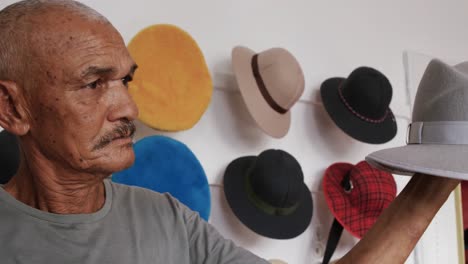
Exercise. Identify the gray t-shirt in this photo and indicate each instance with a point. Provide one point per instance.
(135, 226)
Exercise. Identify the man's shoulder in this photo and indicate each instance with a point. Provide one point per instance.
(137, 192)
(139, 196)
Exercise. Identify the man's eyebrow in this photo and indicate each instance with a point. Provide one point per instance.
(100, 71)
(95, 70)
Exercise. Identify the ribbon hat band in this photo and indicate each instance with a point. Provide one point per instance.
(438, 133)
(264, 206)
(262, 87)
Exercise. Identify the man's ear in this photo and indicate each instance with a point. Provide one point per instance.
(13, 115)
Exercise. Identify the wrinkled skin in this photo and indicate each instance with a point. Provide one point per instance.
(71, 113)
(68, 113)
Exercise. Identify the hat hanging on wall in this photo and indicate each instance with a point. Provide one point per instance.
(270, 82)
(9, 156)
(356, 196)
(437, 138)
(163, 164)
(359, 105)
(172, 86)
(267, 193)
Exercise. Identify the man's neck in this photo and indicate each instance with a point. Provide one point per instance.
(52, 191)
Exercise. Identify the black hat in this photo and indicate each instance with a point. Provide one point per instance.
(267, 193)
(359, 105)
(9, 156)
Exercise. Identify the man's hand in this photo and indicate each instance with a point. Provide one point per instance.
(401, 225)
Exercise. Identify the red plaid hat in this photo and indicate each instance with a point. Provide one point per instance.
(357, 195)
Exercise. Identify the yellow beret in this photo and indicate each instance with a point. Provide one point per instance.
(172, 86)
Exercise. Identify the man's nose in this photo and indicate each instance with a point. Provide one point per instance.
(123, 105)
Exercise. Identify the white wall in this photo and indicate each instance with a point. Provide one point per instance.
(329, 38)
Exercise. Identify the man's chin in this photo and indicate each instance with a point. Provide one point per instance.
(126, 161)
(128, 164)
(119, 160)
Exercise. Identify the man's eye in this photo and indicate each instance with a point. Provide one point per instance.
(126, 80)
(94, 84)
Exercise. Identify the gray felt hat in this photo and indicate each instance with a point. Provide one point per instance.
(437, 138)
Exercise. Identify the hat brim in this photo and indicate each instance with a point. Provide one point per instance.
(447, 161)
(270, 121)
(272, 226)
(373, 133)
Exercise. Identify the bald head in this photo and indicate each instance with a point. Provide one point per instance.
(64, 74)
(25, 29)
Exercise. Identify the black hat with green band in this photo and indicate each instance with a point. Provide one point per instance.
(267, 193)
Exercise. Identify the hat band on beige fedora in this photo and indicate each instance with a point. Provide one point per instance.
(438, 133)
(350, 108)
(263, 90)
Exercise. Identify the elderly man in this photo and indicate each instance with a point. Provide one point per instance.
(64, 72)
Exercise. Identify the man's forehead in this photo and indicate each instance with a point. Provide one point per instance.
(79, 45)
(76, 29)
(62, 24)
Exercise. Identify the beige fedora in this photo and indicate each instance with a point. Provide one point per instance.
(271, 82)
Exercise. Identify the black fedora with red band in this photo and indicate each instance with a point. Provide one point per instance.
(359, 105)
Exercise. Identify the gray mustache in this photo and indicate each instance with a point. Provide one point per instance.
(125, 129)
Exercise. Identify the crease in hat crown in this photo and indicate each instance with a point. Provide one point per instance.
(442, 94)
(439, 113)
(282, 75)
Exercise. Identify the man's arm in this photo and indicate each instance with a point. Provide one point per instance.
(206, 245)
(402, 224)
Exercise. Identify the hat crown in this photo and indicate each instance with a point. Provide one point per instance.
(373, 189)
(368, 92)
(282, 75)
(442, 93)
(276, 178)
